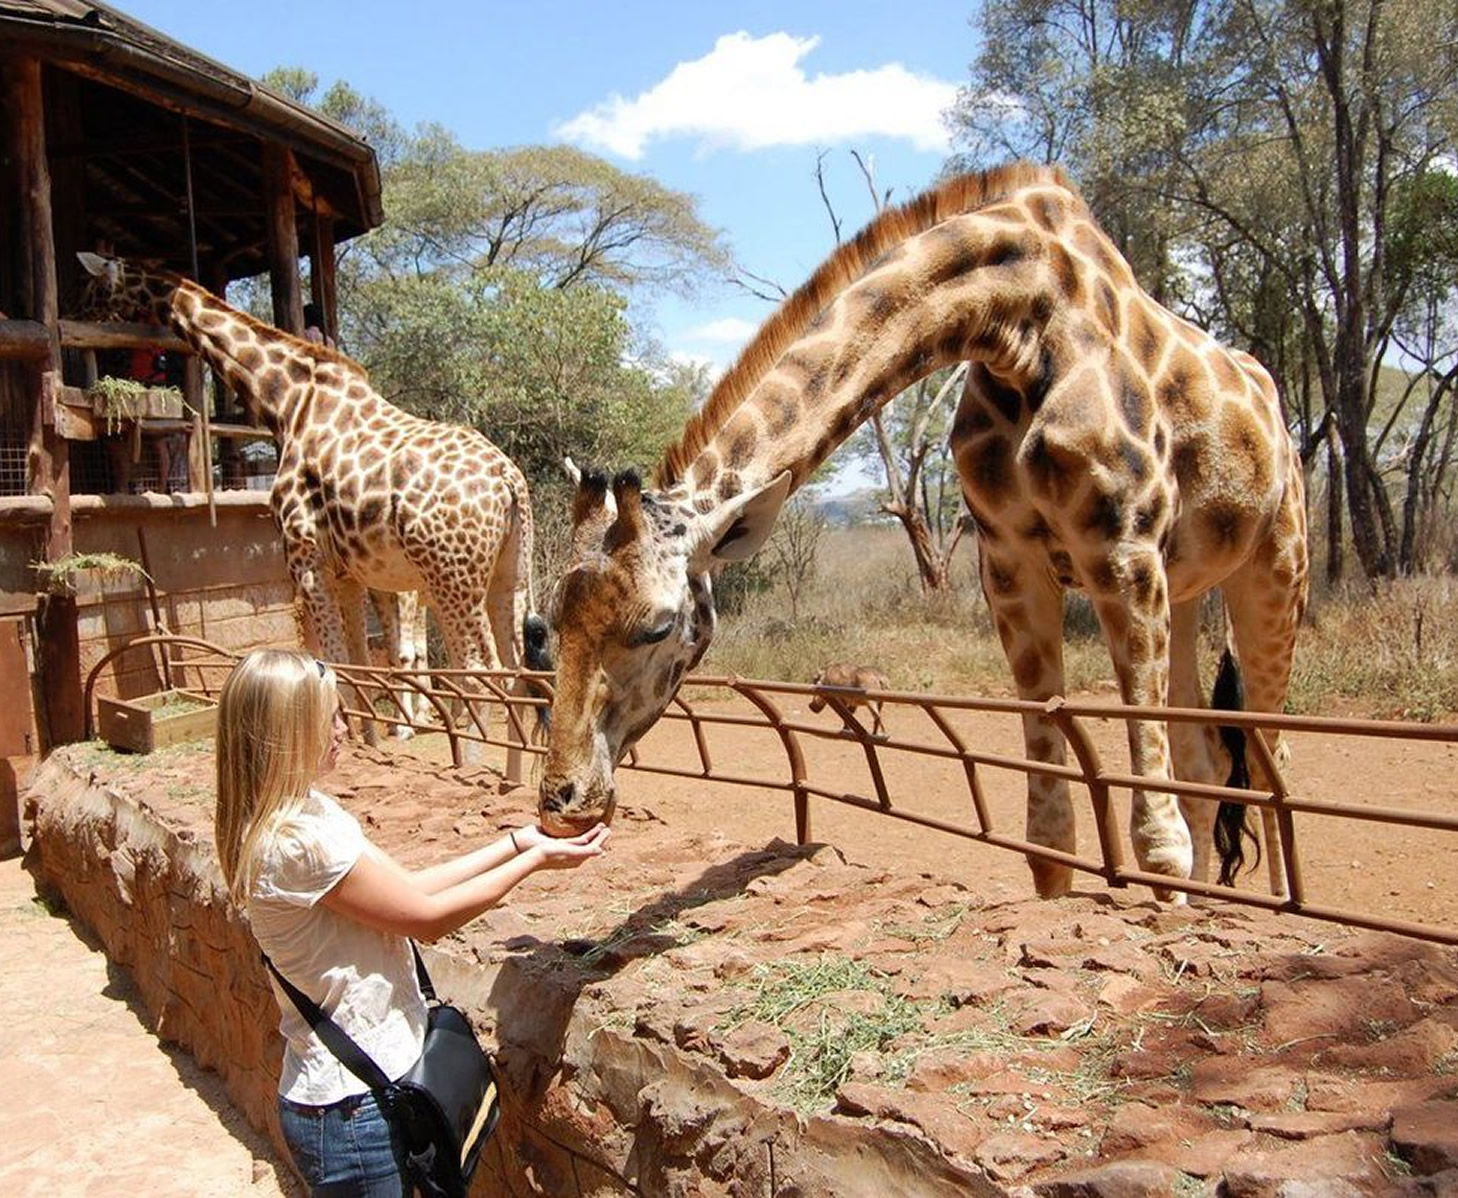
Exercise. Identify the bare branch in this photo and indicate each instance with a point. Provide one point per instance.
(824, 197)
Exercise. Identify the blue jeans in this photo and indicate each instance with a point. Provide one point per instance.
(344, 1150)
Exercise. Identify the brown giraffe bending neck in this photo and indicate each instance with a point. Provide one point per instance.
(1102, 442)
(812, 375)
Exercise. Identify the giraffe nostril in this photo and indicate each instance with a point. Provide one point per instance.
(559, 800)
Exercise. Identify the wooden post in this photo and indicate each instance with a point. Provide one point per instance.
(322, 274)
(283, 238)
(59, 649)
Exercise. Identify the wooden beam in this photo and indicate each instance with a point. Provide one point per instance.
(322, 275)
(24, 340)
(49, 456)
(117, 334)
(283, 238)
(91, 149)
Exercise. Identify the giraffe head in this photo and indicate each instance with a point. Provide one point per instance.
(122, 290)
(634, 613)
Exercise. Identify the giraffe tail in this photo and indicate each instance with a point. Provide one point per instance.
(1231, 827)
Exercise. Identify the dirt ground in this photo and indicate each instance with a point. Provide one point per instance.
(193, 1139)
(1351, 864)
(94, 1103)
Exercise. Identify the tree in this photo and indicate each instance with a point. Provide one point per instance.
(499, 290)
(1288, 127)
(793, 546)
(1424, 265)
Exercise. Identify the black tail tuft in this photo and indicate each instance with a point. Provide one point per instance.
(1231, 828)
(538, 655)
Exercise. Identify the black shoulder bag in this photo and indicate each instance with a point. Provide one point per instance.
(445, 1106)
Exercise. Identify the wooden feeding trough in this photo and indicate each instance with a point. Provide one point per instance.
(155, 721)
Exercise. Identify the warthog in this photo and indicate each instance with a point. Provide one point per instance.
(855, 678)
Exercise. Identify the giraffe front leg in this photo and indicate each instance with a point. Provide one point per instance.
(1027, 608)
(352, 598)
(1136, 621)
(320, 606)
(467, 633)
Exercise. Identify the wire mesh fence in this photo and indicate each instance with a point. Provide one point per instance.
(956, 766)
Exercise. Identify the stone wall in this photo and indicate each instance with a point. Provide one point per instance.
(1098, 1045)
(590, 1106)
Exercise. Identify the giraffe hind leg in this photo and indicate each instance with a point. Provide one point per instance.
(352, 599)
(1193, 746)
(1265, 599)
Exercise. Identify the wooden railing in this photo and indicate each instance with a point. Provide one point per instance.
(707, 703)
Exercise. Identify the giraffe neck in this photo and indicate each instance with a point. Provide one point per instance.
(975, 287)
(256, 360)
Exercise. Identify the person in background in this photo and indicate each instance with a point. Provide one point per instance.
(314, 326)
(335, 913)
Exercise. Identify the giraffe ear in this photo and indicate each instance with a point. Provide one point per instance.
(740, 527)
(95, 264)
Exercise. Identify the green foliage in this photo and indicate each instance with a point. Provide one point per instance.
(59, 577)
(498, 293)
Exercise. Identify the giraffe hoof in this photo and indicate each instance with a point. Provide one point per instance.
(1051, 881)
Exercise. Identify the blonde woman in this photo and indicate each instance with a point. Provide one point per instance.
(334, 913)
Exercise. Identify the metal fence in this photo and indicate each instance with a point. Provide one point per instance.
(970, 798)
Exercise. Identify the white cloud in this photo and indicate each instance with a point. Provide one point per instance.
(730, 330)
(751, 93)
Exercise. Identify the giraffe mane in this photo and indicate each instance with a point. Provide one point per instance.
(954, 196)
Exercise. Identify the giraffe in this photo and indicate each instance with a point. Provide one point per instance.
(367, 496)
(854, 681)
(1102, 442)
(401, 615)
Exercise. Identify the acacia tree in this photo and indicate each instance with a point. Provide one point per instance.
(1289, 125)
(1425, 256)
(500, 290)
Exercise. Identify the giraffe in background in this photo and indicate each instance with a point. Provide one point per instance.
(367, 496)
(1102, 443)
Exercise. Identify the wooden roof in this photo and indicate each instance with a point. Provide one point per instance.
(130, 110)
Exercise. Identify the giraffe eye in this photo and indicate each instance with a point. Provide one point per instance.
(652, 635)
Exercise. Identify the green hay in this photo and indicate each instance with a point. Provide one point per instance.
(59, 577)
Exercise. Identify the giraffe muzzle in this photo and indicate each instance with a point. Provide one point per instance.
(565, 810)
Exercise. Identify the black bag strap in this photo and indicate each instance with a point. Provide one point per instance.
(334, 1037)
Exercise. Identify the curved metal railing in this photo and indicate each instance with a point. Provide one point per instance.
(683, 743)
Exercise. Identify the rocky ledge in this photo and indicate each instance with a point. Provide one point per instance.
(702, 1017)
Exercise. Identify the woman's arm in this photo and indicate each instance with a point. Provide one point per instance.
(432, 879)
(381, 894)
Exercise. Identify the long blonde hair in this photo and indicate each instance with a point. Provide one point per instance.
(275, 719)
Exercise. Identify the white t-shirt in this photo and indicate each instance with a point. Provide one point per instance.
(363, 979)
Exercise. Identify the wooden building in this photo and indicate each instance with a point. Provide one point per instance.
(116, 138)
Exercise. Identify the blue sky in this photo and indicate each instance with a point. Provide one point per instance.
(730, 102)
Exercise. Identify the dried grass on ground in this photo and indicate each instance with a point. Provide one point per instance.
(1388, 652)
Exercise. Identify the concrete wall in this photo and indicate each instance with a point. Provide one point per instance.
(226, 584)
